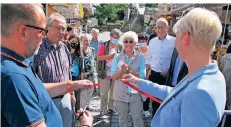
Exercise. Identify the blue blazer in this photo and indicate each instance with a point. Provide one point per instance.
(197, 101)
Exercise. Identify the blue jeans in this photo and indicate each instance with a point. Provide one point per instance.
(65, 109)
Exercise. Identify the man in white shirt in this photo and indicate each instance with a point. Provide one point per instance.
(159, 56)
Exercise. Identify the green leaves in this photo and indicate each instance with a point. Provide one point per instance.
(108, 11)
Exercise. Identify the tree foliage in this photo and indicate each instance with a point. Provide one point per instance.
(151, 5)
(108, 11)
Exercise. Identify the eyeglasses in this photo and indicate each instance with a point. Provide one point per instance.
(126, 41)
(44, 31)
(159, 27)
(59, 28)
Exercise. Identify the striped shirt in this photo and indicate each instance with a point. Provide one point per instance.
(52, 64)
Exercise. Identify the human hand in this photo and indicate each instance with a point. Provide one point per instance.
(130, 78)
(86, 118)
(124, 68)
(112, 56)
(81, 84)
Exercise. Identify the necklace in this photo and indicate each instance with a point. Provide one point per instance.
(11, 57)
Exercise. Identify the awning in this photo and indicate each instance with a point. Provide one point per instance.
(69, 10)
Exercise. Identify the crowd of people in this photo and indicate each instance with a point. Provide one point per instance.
(50, 73)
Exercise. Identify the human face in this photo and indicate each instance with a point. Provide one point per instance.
(129, 44)
(35, 36)
(73, 43)
(115, 36)
(161, 29)
(86, 42)
(94, 35)
(57, 30)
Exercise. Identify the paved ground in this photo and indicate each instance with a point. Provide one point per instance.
(110, 120)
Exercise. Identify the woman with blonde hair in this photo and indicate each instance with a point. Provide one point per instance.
(198, 100)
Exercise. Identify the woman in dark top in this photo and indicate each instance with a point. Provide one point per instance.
(77, 64)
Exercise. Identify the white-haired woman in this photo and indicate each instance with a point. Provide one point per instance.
(198, 100)
(95, 41)
(90, 73)
(125, 98)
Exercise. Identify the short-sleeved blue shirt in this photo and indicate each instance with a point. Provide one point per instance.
(24, 99)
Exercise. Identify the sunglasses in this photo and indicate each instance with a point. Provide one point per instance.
(73, 45)
(44, 31)
(126, 41)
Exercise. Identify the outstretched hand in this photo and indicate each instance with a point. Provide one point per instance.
(81, 84)
(130, 78)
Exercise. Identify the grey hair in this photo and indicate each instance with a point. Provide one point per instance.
(12, 14)
(95, 30)
(131, 34)
(55, 16)
(163, 20)
(115, 31)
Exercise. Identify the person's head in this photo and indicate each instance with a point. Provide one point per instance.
(130, 39)
(23, 27)
(161, 27)
(70, 30)
(95, 33)
(74, 44)
(56, 24)
(142, 39)
(197, 32)
(115, 35)
(85, 40)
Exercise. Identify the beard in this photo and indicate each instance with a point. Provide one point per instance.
(31, 49)
(37, 49)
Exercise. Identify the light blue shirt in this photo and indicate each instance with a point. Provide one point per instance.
(176, 71)
(197, 101)
(95, 45)
(142, 72)
(159, 53)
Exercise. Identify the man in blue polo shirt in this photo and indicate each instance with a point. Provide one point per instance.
(25, 101)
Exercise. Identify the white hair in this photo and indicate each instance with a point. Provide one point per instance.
(130, 34)
(163, 20)
(82, 37)
(203, 26)
(54, 16)
(95, 30)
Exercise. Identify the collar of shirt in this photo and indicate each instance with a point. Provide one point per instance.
(49, 45)
(167, 37)
(15, 55)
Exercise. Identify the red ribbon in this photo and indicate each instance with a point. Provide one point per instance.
(99, 85)
(141, 92)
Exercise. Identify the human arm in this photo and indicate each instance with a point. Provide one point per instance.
(142, 73)
(101, 55)
(20, 105)
(148, 60)
(56, 89)
(116, 72)
(105, 57)
(153, 89)
(198, 110)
